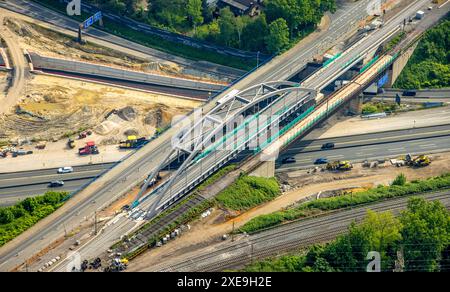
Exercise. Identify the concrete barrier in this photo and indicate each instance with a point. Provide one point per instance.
(85, 68)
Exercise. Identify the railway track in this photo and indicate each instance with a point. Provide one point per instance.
(142, 238)
(287, 237)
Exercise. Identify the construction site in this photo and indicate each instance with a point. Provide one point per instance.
(54, 107)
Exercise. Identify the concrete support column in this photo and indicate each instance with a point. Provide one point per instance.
(399, 64)
(355, 105)
(266, 169)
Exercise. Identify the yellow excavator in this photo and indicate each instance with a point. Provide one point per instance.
(340, 165)
(419, 161)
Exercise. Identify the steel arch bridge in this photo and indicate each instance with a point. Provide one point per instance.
(209, 141)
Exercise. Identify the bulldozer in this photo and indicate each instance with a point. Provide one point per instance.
(419, 161)
(340, 165)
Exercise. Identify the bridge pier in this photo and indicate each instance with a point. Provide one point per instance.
(355, 105)
(265, 169)
(399, 64)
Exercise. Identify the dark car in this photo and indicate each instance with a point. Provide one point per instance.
(56, 183)
(327, 146)
(288, 160)
(321, 161)
(409, 93)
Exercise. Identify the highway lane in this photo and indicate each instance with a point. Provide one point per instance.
(423, 93)
(10, 197)
(23, 184)
(305, 145)
(137, 166)
(179, 92)
(383, 150)
(20, 185)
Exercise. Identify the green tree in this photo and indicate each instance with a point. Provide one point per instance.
(426, 233)
(400, 180)
(383, 229)
(194, 11)
(254, 33)
(226, 24)
(6, 216)
(278, 38)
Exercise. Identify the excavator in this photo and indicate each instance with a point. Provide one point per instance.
(340, 165)
(133, 142)
(419, 161)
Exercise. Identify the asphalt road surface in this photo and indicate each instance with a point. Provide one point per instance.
(17, 186)
(368, 146)
(181, 92)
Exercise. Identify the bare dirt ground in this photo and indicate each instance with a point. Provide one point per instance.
(33, 37)
(210, 229)
(57, 107)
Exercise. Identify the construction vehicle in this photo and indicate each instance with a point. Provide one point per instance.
(419, 161)
(84, 134)
(90, 148)
(71, 143)
(339, 165)
(132, 142)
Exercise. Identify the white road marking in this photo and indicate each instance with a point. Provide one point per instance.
(427, 146)
(396, 149)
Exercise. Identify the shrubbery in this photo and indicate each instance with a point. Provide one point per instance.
(18, 218)
(333, 203)
(248, 192)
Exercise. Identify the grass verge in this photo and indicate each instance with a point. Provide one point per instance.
(248, 192)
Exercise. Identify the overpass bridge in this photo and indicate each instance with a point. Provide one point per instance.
(294, 107)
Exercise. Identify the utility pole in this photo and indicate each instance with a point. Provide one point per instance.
(95, 223)
(80, 40)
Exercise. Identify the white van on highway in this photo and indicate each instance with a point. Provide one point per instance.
(66, 169)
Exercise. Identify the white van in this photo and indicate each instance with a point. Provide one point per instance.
(66, 169)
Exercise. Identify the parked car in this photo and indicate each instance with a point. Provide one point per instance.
(66, 169)
(56, 183)
(409, 93)
(327, 146)
(288, 160)
(321, 161)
